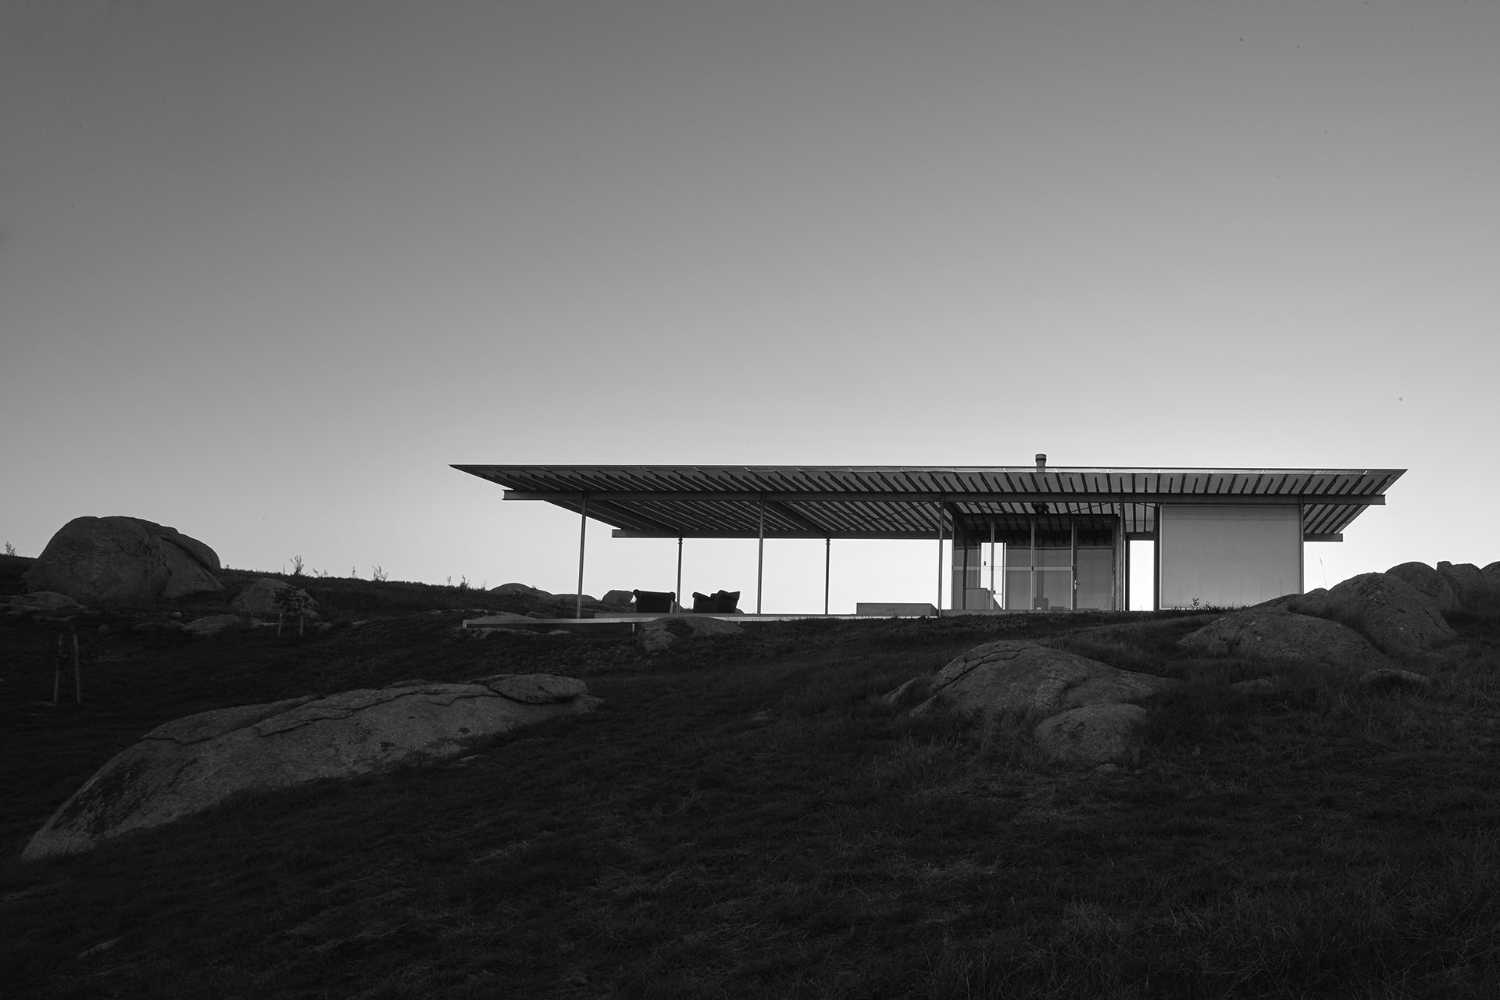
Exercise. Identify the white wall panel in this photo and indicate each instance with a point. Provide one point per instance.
(1228, 555)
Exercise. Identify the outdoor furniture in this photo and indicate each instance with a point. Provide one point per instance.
(657, 601)
(720, 602)
(894, 609)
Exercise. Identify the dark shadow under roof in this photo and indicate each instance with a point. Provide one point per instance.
(888, 501)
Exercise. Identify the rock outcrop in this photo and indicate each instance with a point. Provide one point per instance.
(1469, 584)
(1397, 618)
(1094, 734)
(618, 600)
(212, 625)
(659, 634)
(123, 561)
(1280, 635)
(263, 599)
(40, 602)
(200, 760)
(1426, 580)
(1017, 677)
(1084, 705)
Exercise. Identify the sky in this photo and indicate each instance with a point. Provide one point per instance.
(267, 270)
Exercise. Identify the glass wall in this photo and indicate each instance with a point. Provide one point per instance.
(1061, 564)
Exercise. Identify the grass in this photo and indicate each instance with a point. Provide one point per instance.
(746, 818)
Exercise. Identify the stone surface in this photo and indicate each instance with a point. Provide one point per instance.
(1396, 618)
(1392, 678)
(1018, 677)
(913, 692)
(123, 561)
(1093, 734)
(1256, 685)
(1426, 580)
(212, 625)
(42, 602)
(259, 599)
(536, 689)
(198, 761)
(1259, 634)
(520, 590)
(1492, 575)
(659, 634)
(1469, 584)
(620, 600)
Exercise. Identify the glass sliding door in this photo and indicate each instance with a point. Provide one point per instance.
(1068, 563)
(1096, 569)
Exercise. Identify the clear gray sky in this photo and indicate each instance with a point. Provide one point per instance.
(267, 268)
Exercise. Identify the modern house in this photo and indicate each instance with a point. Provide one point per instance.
(1019, 538)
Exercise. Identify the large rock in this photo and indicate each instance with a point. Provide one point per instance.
(1492, 575)
(520, 590)
(618, 600)
(212, 625)
(263, 599)
(1016, 677)
(1398, 619)
(659, 634)
(123, 561)
(1093, 734)
(41, 602)
(1426, 580)
(195, 762)
(1279, 635)
(1470, 585)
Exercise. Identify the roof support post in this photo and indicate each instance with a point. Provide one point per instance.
(994, 602)
(1073, 563)
(827, 570)
(1156, 564)
(677, 595)
(940, 561)
(760, 549)
(1122, 590)
(583, 523)
(1032, 519)
(1301, 549)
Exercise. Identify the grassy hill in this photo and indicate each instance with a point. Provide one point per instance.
(744, 818)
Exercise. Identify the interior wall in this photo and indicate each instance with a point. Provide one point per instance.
(1228, 555)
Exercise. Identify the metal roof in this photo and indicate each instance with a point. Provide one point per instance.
(849, 501)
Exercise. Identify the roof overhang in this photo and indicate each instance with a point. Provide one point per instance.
(879, 502)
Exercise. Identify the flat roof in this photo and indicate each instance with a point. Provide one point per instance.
(904, 501)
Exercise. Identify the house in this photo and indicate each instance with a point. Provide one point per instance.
(1019, 537)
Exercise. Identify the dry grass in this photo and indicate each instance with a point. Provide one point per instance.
(745, 818)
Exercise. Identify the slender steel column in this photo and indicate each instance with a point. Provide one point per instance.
(677, 598)
(583, 523)
(827, 570)
(1072, 563)
(1301, 550)
(1122, 568)
(1156, 564)
(994, 597)
(760, 550)
(940, 561)
(1032, 518)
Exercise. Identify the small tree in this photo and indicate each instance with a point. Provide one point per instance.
(377, 573)
(10, 549)
(296, 565)
(291, 601)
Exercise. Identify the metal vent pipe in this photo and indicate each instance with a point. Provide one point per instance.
(1041, 461)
